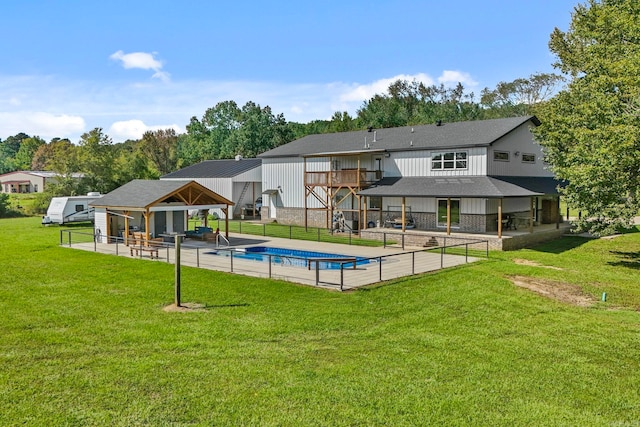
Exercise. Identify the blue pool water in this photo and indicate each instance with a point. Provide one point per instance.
(293, 257)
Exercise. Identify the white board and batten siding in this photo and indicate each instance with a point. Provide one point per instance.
(519, 147)
(418, 163)
(287, 175)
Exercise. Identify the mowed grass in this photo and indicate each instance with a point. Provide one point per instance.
(85, 341)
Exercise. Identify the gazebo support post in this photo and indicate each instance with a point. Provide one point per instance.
(126, 228)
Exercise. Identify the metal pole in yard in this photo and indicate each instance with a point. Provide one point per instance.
(269, 266)
(198, 257)
(177, 279)
(403, 242)
(442, 257)
(264, 229)
(61, 238)
(317, 273)
(341, 276)
(466, 253)
(232, 260)
(167, 253)
(69, 239)
(380, 268)
(95, 244)
(384, 240)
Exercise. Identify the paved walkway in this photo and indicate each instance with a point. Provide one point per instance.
(386, 263)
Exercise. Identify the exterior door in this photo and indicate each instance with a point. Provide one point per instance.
(455, 213)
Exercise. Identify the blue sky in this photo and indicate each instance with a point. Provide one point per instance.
(67, 67)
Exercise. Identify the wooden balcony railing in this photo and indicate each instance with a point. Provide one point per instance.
(341, 178)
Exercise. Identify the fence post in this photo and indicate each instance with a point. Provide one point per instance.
(264, 229)
(341, 276)
(350, 234)
(116, 246)
(384, 239)
(290, 232)
(231, 260)
(318, 234)
(95, 244)
(240, 227)
(413, 263)
(168, 262)
(403, 242)
(442, 257)
(61, 238)
(198, 257)
(69, 234)
(317, 273)
(269, 266)
(466, 253)
(380, 268)
(487, 249)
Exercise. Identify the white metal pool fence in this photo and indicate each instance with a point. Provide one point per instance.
(345, 275)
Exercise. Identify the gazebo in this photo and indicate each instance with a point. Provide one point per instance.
(154, 207)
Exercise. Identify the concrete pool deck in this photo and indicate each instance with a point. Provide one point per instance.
(395, 262)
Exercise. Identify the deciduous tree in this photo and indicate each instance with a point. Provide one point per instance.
(591, 130)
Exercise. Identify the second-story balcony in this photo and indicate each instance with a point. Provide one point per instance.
(343, 178)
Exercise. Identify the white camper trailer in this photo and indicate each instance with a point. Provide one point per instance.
(63, 210)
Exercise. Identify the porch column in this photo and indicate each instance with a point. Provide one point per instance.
(557, 212)
(500, 218)
(126, 228)
(147, 222)
(448, 216)
(531, 215)
(364, 208)
(226, 222)
(404, 216)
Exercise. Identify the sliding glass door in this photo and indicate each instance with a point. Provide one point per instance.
(455, 213)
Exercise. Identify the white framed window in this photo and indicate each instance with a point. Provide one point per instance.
(528, 158)
(449, 160)
(501, 156)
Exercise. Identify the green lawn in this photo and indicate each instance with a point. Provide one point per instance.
(85, 342)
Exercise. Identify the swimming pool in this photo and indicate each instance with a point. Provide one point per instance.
(295, 257)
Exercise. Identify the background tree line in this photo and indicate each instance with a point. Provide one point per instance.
(226, 130)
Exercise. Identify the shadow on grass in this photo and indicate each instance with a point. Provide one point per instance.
(561, 245)
(628, 260)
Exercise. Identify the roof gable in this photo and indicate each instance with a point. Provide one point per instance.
(407, 138)
(143, 194)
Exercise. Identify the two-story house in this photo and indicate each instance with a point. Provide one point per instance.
(473, 177)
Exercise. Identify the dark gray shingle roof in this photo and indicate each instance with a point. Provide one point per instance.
(461, 186)
(215, 169)
(448, 135)
(142, 193)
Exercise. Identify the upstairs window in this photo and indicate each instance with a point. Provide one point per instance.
(449, 160)
(501, 156)
(528, 158)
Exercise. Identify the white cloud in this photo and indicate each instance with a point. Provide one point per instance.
(141, 60)
(365, 92)
(451, 77)
(43, 124)
(134, 129)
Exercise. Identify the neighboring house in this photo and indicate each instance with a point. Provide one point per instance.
(28, 181)
(472, 177)
(238, 180)
(153, 207)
